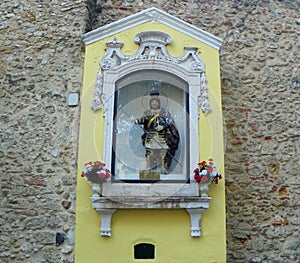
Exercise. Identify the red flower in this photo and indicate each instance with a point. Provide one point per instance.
(102, 175)
(197, 177)
(107, 173)
(216, 180)
(204, 179)
(100, 163)
(203, 163)
(196, 170)
(82, 174)
(209, 169)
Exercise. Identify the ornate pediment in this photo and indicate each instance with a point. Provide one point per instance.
(152, 48)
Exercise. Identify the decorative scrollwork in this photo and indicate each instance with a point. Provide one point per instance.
(152, 47)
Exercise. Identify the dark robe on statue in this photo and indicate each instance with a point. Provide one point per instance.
(161, 136)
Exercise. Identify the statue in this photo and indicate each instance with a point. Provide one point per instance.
(161, 137)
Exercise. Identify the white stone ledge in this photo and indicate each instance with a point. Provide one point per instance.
(150, 202)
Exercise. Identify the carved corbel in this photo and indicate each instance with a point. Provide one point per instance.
(195, 218)
(105, 219)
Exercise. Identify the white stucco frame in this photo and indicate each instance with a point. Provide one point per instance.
(156, 189)
(152, 55)
(114, 65)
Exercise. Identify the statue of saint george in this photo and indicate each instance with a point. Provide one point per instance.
(161, 137)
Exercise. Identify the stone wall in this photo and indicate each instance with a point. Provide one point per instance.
(41, 63)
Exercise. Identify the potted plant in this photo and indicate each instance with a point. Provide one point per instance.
(96, 174)
(206, 173)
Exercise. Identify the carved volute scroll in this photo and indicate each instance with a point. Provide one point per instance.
(152, 47)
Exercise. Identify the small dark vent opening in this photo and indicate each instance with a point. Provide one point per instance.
(144, 251)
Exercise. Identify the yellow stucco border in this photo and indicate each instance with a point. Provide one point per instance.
(167, 229)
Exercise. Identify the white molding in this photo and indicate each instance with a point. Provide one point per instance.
(152, 15)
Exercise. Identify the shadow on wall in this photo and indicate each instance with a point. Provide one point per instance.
(94, 9)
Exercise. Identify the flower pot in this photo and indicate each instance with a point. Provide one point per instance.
(204, 189)
(97, 189)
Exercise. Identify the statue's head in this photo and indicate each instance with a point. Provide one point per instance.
(154, 103)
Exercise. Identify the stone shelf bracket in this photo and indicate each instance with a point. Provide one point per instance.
(195, 217)
(195, 206)
(106, 215)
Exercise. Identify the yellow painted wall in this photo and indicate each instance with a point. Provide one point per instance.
(168, 230)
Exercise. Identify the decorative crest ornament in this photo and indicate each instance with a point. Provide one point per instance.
(153, 15)
(152, 47)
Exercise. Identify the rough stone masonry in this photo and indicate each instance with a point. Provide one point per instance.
(41, 63)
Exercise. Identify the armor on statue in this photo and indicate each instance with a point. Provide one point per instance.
(160, 138)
